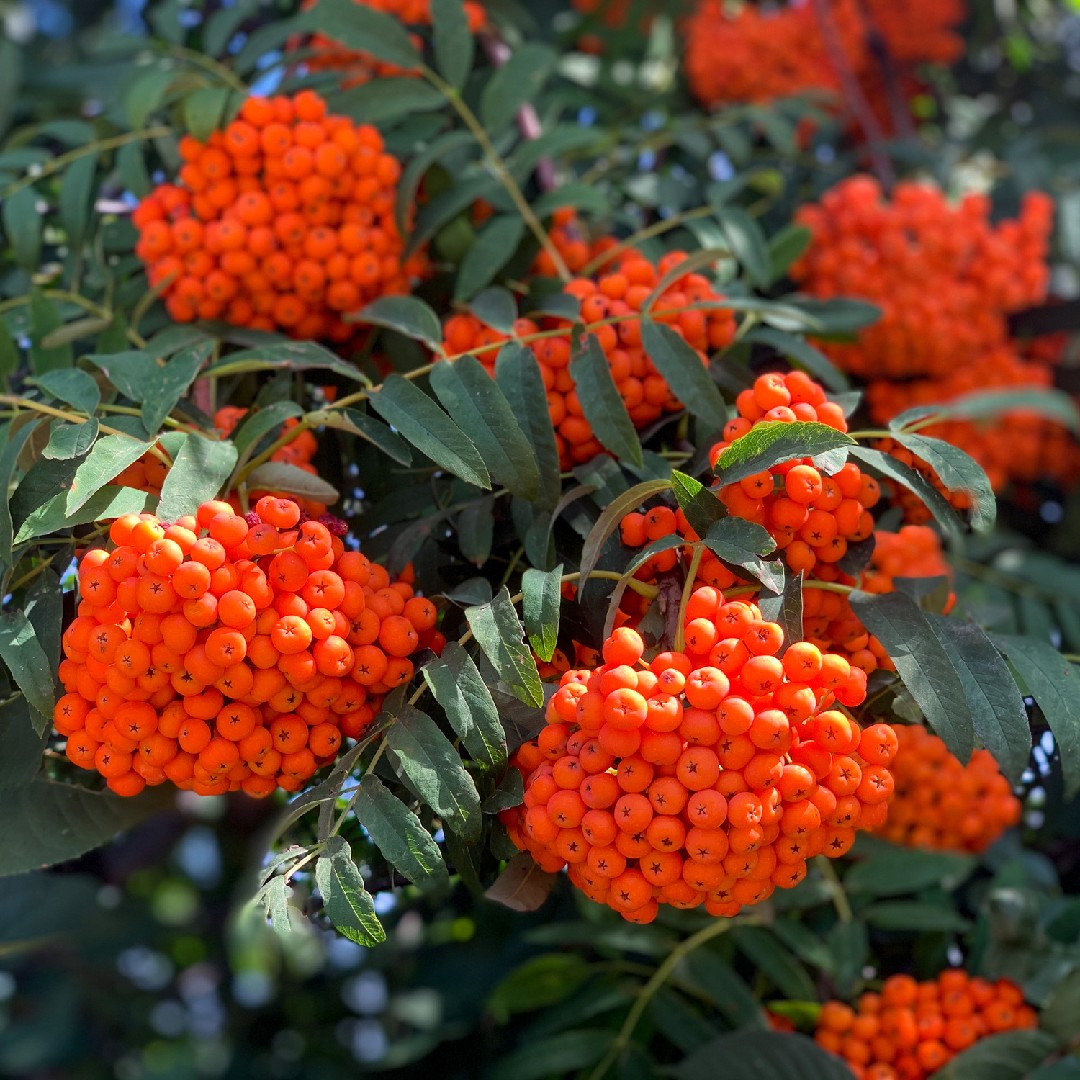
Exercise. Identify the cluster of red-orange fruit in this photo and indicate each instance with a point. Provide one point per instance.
(618, 292)
(750, 54)
(224, 652)
(942, 804)
(707, 776)
(325, 54)
(911, 1029)
(946, 280)
(284, 220)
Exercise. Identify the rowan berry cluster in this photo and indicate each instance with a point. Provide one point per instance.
(574, 242)
(226, 652)
(942, 804)
(755, 55)
(361, 67)
(911, 1029)
(618, 292)
(283, 220)
(705, 776)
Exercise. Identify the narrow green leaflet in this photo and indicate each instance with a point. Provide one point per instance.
(107, 502)
(1009, 1055)
(475, 402)
(774, 959)
(730, 995)
(609, 520)
(499, 632)
(282, 916)
(76, 198)
(516, 83)
(538, 983)
(494, 246)
(541, 600)
(348, 905)
(47, 823)
(916, 916)
(44, 607)
(1001, 722)
(45, 320)
(1054, 684)
(223, 24)
(405, 314)
(892, 870)
(1045, 401)
(770, 443)
(754, 1055)
(958, 471)
(509, 793)
(934, 501)
(475, 526)
(686, 374)
(457, 685)
(9, 353)
(453, 41)
(411, 413)
(601, 402)
(281, 356)
(22, 226)
(801, 353)
(517, 374)
(742, 543)
(368, 428)
(261, 422)
(198, 473)
(363, 29)
(563, 1054)
(130, 372)
(837, 316)
(432, 770)
(785, 608)
(13, 442)
(496, 307)
(292, 480)
(204, 110)
(1061, 1012)
(785, 247)
(28, 664)
(168, 384)
(701, 506)
(386, 99)
(923, 664)
(73, 387)
(22, 744)
(111, 455)
(398, 834)
(744, 237)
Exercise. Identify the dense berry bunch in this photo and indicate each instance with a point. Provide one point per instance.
(944, 277)
(224, 652)
(618, 292)
(911, 1029)
(360, 67)
(284, 220)
(753, 55)
(707, 776)
(942, 804)
(574, 242)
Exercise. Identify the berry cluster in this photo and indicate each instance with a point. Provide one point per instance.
(707, 776)
(361, 67)
(756, 55)
(942, 804)
(618, 292)
(224, 652)
(573, 241)
(284, 220)
(911, 1029)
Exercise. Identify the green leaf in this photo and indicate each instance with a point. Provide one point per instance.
(22, 744)
(746, 241)
(22, 225)
(73, 387)
(396, 831)
(609, 520)
(495, 307)
(453, 41)
(1047, 402)
(1054, 684)
(892, 870)
(204, 110)
(785, 247)
(774, 960)
(29, 666)
(1001, 722)
(9, 351)
(509, 793)
(133, 170)
(685, 373)
(475, 402)
(70, 440)
(44, 320)
(1061, 1011)
(958, 471)
(13, 442)
(923, 664)
(363, 29)
(785, 608)
(457, 685)
(517, 375)
(932, 499)
(291, 480)
(554, 1055)
(283, 917)
(371, 430)
(417, 418)
(915, 915)
(47, 823)
(11, 70)
(601, 402)
(732, 998)
(386, 99)
(700, 505)
(802, 354)
(742, 543)
(836, 316)
(283, 356)
(405, 314)
(223, 24)
(516, 83)
(130, 372)
(166, 385)
(198, 473)
(111, 455)
(772, 442)
(432, 770)
(541, 600)
(105, 504)
(260, 422)
(76, 198)
(43, 604)
(754, 1055)
(495, 244)
(499, 632)
(537, 984)
(347, 904)
(1009, 1055)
